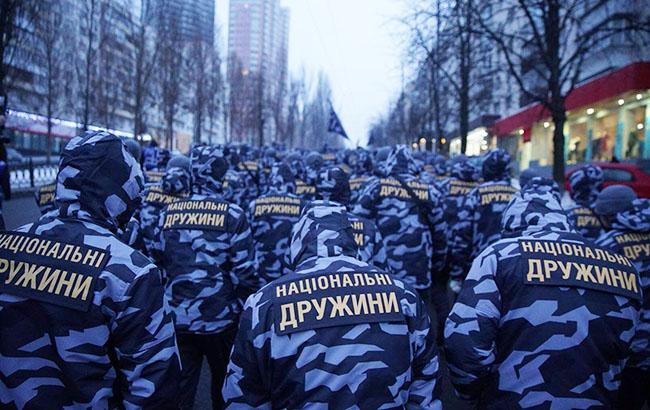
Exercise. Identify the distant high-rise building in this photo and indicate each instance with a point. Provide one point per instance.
(258, 37)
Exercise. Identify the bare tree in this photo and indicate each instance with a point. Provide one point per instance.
(545, 52)
(170, 85)
(89, 40)
(110, 84)
(215, 92)
(142, 37)
(444, 32)
(52, 47)
(198, 70)
(295, 104)
(244, 101)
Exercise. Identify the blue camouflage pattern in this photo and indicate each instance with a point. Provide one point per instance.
(512, 340)
(120, 350)
(479, 216)
(416, 248)
(174, 186)
(586, 183)
(339, 363)
(272, 217)
(333, 185)
(208, 266)
(630, 236)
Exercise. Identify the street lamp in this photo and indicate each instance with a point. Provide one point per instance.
(621, 101)
(590, 111)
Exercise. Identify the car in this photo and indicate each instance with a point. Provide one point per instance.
(636, 175)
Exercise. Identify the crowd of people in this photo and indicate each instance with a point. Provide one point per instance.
(333, 279)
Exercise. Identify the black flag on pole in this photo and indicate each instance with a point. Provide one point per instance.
(334, 124)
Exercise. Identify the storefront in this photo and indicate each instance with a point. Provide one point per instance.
(28, 132)
(607, 117)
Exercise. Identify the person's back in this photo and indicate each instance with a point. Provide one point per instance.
(174, 186)
(585, 184)
(272, 217)
(205, 248)
(76, 304)
(627, 224)
(320, 336)
(479, 216)
(411, 223)
(544, 317)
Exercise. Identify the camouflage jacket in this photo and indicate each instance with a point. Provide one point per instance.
(533, 326)
(413, 250)
(205, 248)
(585, 221)
(272, 217)
(370, 242)
(288, 358)
(45, 198)
(630, 236)
(478, 223)
(84, 320)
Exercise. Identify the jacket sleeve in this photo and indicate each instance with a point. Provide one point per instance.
(439, 233)
(463, 237)
(145, 345)
(245, 386)
(242, 259)
(424, 392)
(471, 328)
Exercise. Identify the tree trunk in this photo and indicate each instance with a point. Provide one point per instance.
(559, 118)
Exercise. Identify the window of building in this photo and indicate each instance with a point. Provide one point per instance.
(635, 138)
(603, 138)
(577, 143)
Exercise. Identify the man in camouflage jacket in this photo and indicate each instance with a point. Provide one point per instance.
(479, 217)
(83, 318)
(272, 216)
(205, 249)
(629, 235)
(585, 183)
(337, 333)
(544, 319)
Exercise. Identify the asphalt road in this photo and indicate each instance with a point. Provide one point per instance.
(22, 210)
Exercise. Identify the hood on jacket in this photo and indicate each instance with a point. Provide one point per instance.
(636, 219)
(333, 184)
(535, 208)
(400, 161)
(313, 165)
(496, 165)
(297, 166)
(585, 184)
(281, 179)
(464, 170)
(323, 230)
(364, 164)
(99, 179)
(209, 167)
(542, 183)
(176, 181)
(180, 161)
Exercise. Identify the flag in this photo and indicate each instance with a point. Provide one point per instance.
(334, 124)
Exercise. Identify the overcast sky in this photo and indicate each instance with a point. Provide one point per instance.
(356, 43)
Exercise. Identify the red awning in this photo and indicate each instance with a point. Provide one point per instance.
(632, 77)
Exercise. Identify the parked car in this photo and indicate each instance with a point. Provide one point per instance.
(636, 175)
